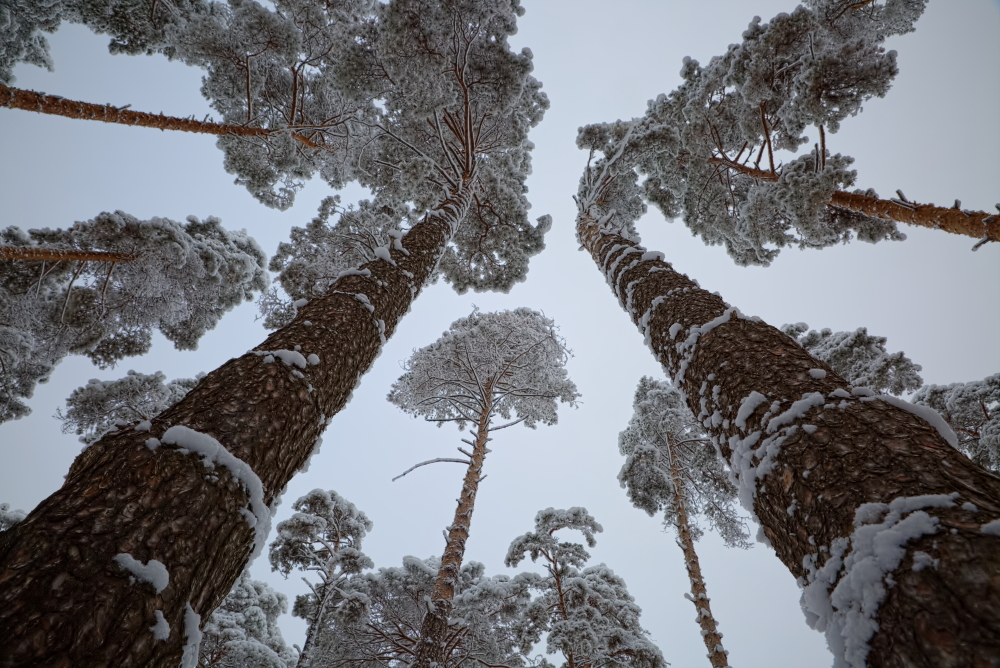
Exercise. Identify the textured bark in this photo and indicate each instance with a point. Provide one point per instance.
(65, 602)
(431, 648)
(975, 224)
(29, 100)
(856, 450)
(710, 634)
(59, 254)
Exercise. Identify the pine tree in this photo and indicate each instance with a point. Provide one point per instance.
(671, 466)
(825, 468)
(973, 411)
(243, 631)
(101, 406)
(510, 365)
(589, 615)
(379, 624)
(184, 279)
(257, 418)
(703, 145)
(324, 536)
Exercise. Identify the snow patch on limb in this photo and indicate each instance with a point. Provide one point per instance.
(289, 357)
(160, 630)
(747, 408)
(192, 637)
(926, 414)
(213, 453)
(991, 528)
(849, 614)
(153, 572)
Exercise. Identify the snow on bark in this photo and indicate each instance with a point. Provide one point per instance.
(153, 572)
(815, 451)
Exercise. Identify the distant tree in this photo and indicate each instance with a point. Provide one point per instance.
(701, 148)
(859, 358)
(973, 410)
(589, 615)
(671, 465)
(510, 365)
(100, 406)
(8, 517)
(380, 623)
(821, 465)
(323, 537)
(185, 277)
(451, 140)
(243, 631)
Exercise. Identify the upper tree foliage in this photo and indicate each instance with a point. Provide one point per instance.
(184, 278)
(589, 615)
(707, 150)
(973, 411)
(243, 631)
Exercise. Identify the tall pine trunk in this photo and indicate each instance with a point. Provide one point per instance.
(975, 224)
(431, 649)
(709, 628)
(65, 601)
(816, 462)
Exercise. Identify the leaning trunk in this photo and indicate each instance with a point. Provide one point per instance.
(29, 100)
(431, 649)
(192, 489)
(864, 501)
(717, 654)
(315, 619)
(60, 254)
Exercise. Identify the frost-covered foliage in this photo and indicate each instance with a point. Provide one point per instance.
(588, 614)
(316, 255)
(973, 410)
(323, 537)
(668, 454)
(510, 364)
(186, 277)
(707, 150)
(381, 628)
(100, 406)
(456, 107)
(277, 67)
(859, 358)
(21, 25)
(243, 631)
(8, 517)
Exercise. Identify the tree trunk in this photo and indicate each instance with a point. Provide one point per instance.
(64, 601)
(709, 628)
(29, 100)
(824, 462)
(431, 649)
(60, 254)
(975, 224)
(305, 656)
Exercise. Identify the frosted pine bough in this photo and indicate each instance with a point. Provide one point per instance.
(186, 277)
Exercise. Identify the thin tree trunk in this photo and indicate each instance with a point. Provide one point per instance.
(813, 458)
(64, 601)
(430, 648)
(305, 656)
(975, 224)
(709, 628)
(29, 100)
(60, 254)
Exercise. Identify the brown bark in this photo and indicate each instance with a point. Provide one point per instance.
(65, 602)
(856, 450)
(29, 100)
(58, 254)
(431, 648)
(710, 633)
(975, 224)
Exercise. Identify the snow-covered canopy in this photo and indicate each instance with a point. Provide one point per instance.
(510, 364)
(973, 411)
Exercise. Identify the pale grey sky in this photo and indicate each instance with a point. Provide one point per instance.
(935, 136)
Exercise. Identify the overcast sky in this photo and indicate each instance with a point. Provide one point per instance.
(936, 136)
